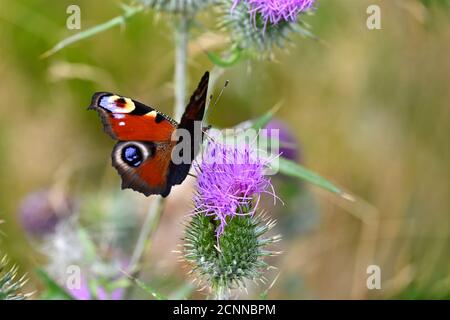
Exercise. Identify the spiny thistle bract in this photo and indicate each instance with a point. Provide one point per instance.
(10, 286)
(178, 6)
(236, 257)
(253, 31)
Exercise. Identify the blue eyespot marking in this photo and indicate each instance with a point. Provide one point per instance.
(132, 156)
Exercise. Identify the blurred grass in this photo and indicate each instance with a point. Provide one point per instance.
(371, 109)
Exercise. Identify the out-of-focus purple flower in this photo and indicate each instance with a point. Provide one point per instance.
(229, 178)
(42, 210)
(289, 145)
(116, 294)
(83, 292)
(276, 11)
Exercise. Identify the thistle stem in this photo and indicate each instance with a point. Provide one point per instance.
(181, 39)
(149, 226)
(144, 241)
(180, 84)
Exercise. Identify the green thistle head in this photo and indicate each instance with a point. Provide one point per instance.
(254, 35)
(178, 6)
(10, 286)
(226, 262)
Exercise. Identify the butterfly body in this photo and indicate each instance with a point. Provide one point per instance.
(147, 138)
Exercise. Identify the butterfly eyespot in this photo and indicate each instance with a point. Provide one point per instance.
(132, 155)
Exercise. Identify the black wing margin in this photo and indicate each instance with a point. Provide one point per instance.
(192, 117)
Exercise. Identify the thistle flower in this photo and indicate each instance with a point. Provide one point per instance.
(258, 26)
(289, 145)
(229, 178)
(41, 211)
(10, 286)
(225, 240)
(275, 11)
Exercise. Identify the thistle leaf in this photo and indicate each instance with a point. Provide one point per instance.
(129, 12)
(53, 290)
(261, 122)
(147, 288)
(294, 169)
(234, 57)
(153, 292)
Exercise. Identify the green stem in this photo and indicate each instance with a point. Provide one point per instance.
(148, 228)
(180, 83)
(144, 241)
(181, 53)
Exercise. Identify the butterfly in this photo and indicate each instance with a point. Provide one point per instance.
(143, 154)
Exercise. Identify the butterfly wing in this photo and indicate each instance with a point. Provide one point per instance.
(143, 154)
(126, 119)
(143, 166)
(191, 121)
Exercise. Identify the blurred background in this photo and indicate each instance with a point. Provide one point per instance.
(369, 110)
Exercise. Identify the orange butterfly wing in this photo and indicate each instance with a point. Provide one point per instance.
(150, 176)
(142, 156)
(125, 119)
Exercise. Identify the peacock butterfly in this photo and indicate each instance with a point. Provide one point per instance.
(143, 154)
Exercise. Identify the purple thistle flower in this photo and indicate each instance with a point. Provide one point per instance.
(228, 180)
(275, 11)
(290, 147)
(41, 211)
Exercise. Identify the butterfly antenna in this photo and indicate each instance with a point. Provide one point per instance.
(209, 103)
(218, 97)
(204, 130)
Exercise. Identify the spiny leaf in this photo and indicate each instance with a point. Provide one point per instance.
(154, 293)
(150, 290)
(129, 12)
(234, 57)
(53, 290)
(293, 169)
(262, 121)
